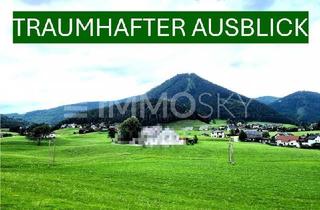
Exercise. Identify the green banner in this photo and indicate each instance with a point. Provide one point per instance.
(160, 27)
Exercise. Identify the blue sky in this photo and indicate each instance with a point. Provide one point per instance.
(44, 76)
(258, 5)
(36, 2)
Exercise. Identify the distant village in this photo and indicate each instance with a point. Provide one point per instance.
(131, 132)
(240, 131)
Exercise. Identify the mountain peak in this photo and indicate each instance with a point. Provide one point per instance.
(186, 75)
(186, 82)
(208, 98)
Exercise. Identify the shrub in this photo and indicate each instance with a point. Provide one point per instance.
(242, 135)
(129, 129)
(82, 131)
(265, 135)
(39, 132)
(4, 135)
(189, 141)
(195, 139)
(112, 132)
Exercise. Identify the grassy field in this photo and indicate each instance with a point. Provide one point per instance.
(217, 123)
(178, 125)
(298, 133)
(284, 125)
(92, 173)
(12, 133)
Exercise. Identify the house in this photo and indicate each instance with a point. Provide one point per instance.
(73, 125)
(287, 140)
(102, 125)
(311, 141)
(218, 134)
(231, 127)
(255, 126)
(204, 128)
(253, 134)
(157, 136)
(94, 127)
(51, 136)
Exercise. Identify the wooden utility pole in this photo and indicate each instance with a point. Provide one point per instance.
(231, 152)
(52, 152)
(49, 151)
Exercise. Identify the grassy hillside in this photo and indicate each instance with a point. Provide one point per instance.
(218, 123)
(286, 125)
(301, 106)
(92, 173)
(8, 122)
(178, 125)
(56, 114)
(299, 133)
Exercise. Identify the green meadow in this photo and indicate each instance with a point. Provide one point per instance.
(90, 172)
(179, 125)
(196, 124)
(299, 133)
(284, 125)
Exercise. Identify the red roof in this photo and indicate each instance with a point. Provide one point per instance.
(287, 138)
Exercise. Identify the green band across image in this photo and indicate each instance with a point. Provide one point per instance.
(160, 27)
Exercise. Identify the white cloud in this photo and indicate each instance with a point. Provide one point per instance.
(43, 76)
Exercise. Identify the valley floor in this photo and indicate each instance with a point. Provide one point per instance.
(92, 173)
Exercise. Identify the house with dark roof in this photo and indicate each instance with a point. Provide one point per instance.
(310, 141)
(253, 135)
